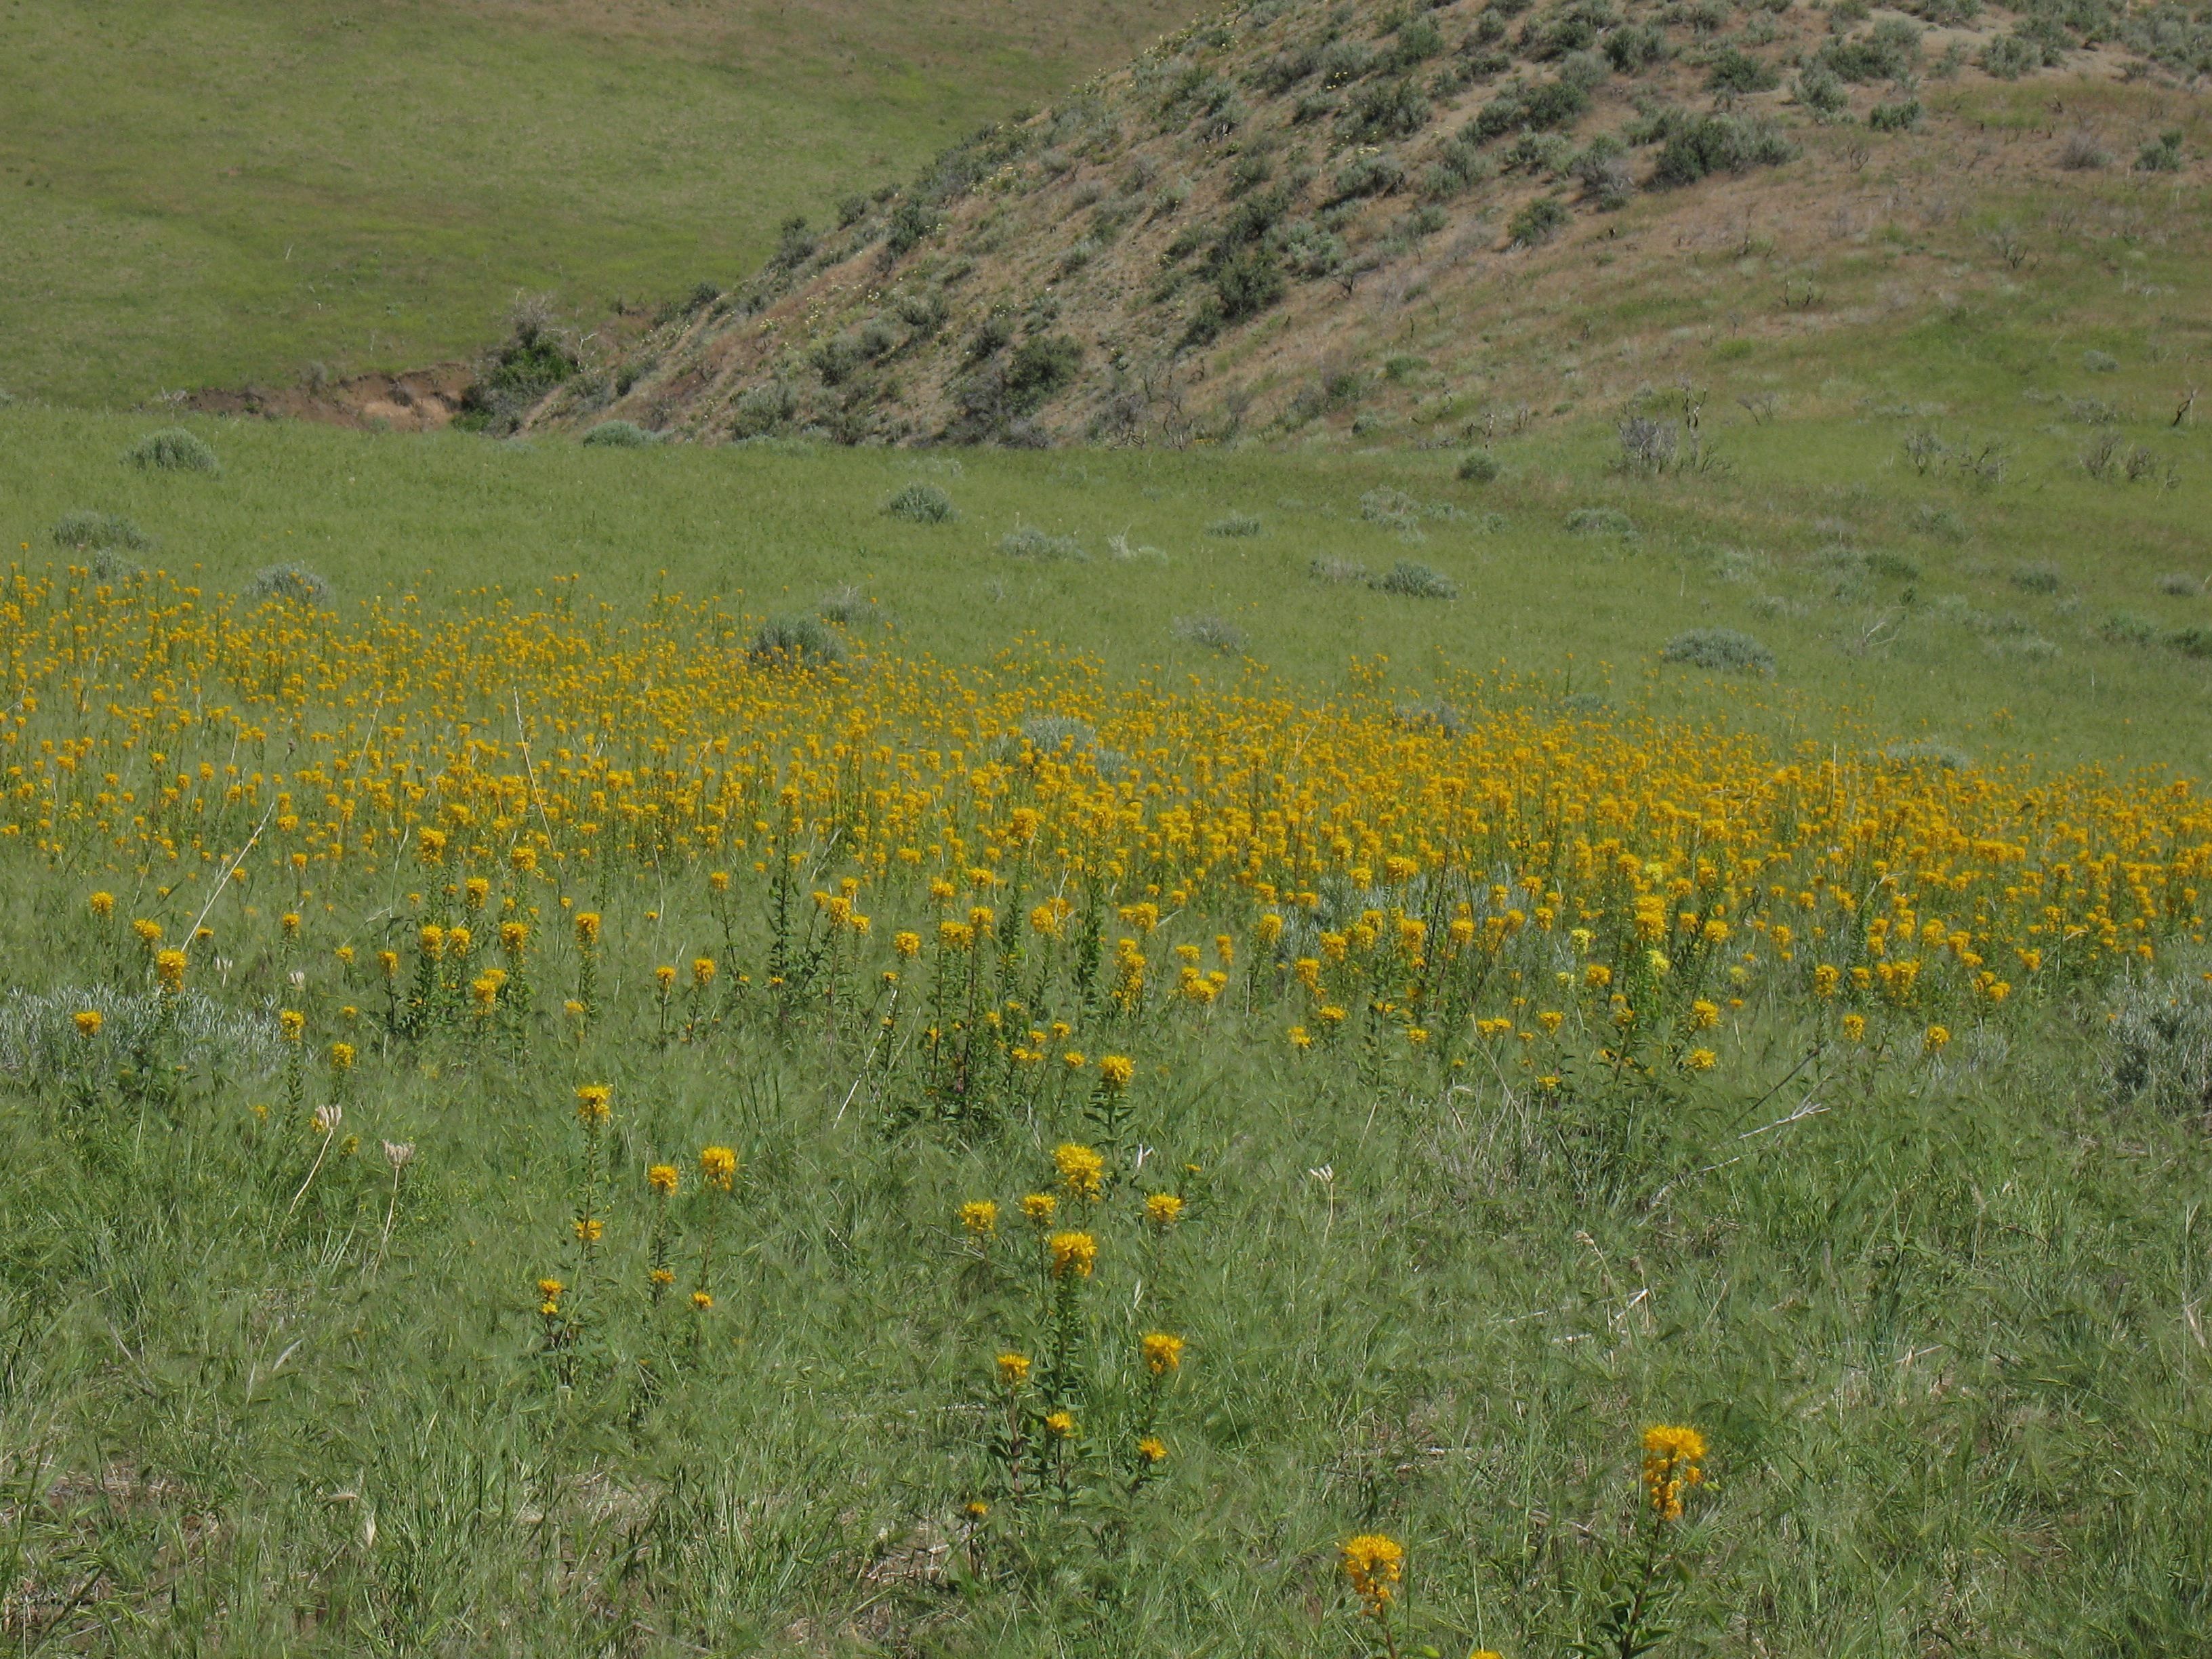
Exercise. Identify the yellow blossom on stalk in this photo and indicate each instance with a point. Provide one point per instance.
(290, 1023)
(588, 928)
(1700, 1059)
(718, 1168)
(702, 1302)
(1597, 976)
(387, 962)
(430, 846)
(594, 1103)
(981, 1217)
(1013, 1370)
(702, 972)
(956, 935)
(1825, 979)
(474, 891)
(522, 859)
(1073, 1253)
(663, 1179)
(1164, 1210)
(1162, 1352)
(88, 1024)
(1059, 1424)
(1082, 1171)
(666, 976)
(289, 923)
(1374, 1564)
(1703, 1015)
(149, 933)
(1152, 1448)
(1044, 922)
(589, 1230)
(1270, 929)
(1551, 1022)
(103, 904)
(1855, 1027)
(1301, 1039)
(431, 941)
(1115, 1072)
(1937, 1037)
(1040, 1207)
(512, 936)
(906, 944)
(1672, 1457)
(483, 989)
(169, 968)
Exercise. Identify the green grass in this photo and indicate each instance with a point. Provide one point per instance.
(219, 194)
(1951, 652)
(1937, 1315)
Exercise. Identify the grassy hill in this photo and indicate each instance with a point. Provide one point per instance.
(212, 194)
(1301, 223)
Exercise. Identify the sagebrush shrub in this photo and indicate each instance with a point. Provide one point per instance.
(1236, 524)
(292, 583)
(1338, 571)
(1601, 521)
(90, 530)
(922, 503)
(788, 644)
(1722, 650)
(1409, 580)
(1028, 542)
(1210, 633)
(1481, 467)
(173, 450)
(2161, 1054)
(622, 435)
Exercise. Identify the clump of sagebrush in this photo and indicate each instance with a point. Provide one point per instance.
(1601, 521)
(1028, 542)
(622, 435)
(291, 584)
(1236, 524)
(90, 530)
(2175, 585)
(1338, 571)
(1210, 633)
(41, 1040)
(922, 503)
(2161, 1050)
(2036, 578)
(1412, 581)
(843, 605)
(1722, 650)
(786, 644)
(1479, 467)
(173, 450)
(1928, 751)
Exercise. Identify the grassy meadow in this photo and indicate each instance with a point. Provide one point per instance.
(219, 194)
(542, 1114)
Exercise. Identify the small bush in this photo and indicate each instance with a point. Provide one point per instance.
(1338, 572)
(2009, 56)
(90, 530)
(789, 644)
(1719, 143)
(2036, 578)
(2125, 628)
(760, 410)
(622, 435)
(1479, 467)
(1028, 542)
(1928, 751)
(2100, 362)
(1895, 118)
(2192, 641)
(1539, 222)
(1410, 580)
(1367, 175)
(922, 503)
(2175, 585)
(1236, 524)
(1601, 521)
(1210, 633)
(843, 606)
(2083, 153)
(1734, 69)
(1722, 650)
(2164, 156)
(291, 584)
(2162, 1046)
(172, 450)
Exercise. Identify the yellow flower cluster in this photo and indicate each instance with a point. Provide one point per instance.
(1672, 1460)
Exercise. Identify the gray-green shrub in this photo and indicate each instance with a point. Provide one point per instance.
(172, 449)
(90, 530)
(788, 644)
(291, 583)
(1412, 581)
(622, 435)
(1721, 650)
(922, 503)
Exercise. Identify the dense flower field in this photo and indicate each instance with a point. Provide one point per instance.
(230, 767)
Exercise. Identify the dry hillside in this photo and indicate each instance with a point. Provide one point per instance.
(1296, 216)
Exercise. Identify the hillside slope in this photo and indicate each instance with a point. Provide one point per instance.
(240, 190)
(1296, 217)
